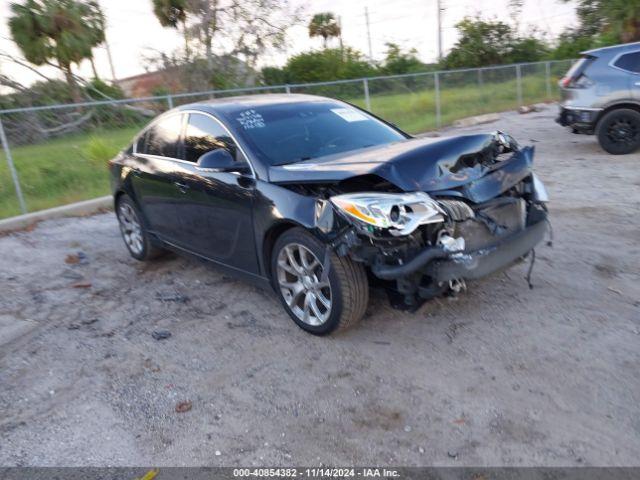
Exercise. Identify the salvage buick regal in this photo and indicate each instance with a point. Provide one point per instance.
(320, 199)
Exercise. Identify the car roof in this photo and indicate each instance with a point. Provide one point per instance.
(614, 49)
(226, 104)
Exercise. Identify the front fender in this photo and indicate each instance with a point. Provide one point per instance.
(277, 208)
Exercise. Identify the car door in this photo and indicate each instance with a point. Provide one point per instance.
(153, 176)
(215, 208)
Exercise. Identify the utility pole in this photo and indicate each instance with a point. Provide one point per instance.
(113, 71)
(439, 30)
(366, 16)
(108, 49)
(340, 37)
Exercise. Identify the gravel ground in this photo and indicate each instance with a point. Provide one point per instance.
(500, 375)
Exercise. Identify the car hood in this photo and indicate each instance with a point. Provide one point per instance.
(420, 164)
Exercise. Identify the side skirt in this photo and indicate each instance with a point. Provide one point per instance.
(256, 280)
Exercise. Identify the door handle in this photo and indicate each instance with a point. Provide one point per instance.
(183, 187)
(637, 84)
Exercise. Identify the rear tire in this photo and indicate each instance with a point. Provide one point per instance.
(135, 235)
(619, 131)
(298, 277)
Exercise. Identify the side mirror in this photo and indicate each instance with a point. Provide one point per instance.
(218, 160)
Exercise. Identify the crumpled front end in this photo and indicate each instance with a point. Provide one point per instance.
(486, 239)
(421, 244)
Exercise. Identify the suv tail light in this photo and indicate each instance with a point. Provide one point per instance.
(581, 81)
(575, 77)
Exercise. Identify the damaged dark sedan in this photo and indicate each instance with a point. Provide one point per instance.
(320, 200)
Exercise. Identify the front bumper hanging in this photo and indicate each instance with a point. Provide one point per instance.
(485, 261)
(441, 265)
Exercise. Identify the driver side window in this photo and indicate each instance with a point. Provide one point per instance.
(204, 134)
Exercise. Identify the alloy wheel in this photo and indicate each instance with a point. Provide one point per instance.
(623, 131)
(130, 228)
(303, 286)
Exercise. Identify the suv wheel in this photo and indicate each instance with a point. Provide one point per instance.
(318, 301)
(619, 131)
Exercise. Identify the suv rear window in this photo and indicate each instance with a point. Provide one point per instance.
(579, 67)
(629, 62)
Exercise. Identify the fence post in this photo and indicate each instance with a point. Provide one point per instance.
(519, 84)
(287, 88)
(436, 79)
(170, 101)
(367, 98)
(12, 169)
(547, 73)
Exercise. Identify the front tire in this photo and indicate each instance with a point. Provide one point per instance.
(318, 302)
(135, 236)
(619, 131)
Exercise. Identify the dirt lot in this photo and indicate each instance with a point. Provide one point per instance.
(501, 375)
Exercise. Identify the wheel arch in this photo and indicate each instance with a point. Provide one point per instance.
(116, 197)
(616, 106)
(119, 193)
(271, 236)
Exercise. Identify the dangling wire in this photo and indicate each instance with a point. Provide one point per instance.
(528, 277)
(550, 242)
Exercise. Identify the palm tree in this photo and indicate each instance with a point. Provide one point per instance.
(324, 25)
(58, 32)
(172, 13)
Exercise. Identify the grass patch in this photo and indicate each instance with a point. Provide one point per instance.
(415, 111)
(74, 167)
(61, 171)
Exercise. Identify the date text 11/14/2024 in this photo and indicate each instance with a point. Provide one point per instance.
(317, 472)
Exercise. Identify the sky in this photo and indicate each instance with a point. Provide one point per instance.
(133, 31)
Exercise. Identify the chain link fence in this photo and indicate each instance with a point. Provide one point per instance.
(55, 155)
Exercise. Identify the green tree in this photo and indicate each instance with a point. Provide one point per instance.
(527, 49)
(242, 28)
(173, 14)
(398, 62)
(98, 90)
(324, 25)
(570, 44)
(492, 42)
(58, 32)
(613, 20)
(623, 17)
(480, 43)
(326, 65)
(274, 76)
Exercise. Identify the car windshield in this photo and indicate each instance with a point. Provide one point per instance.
(293, 132)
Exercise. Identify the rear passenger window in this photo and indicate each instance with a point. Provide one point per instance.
(163, 138)
(629, 62)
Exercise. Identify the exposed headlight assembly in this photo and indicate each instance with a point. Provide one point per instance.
(399, 213)
(506, 141)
